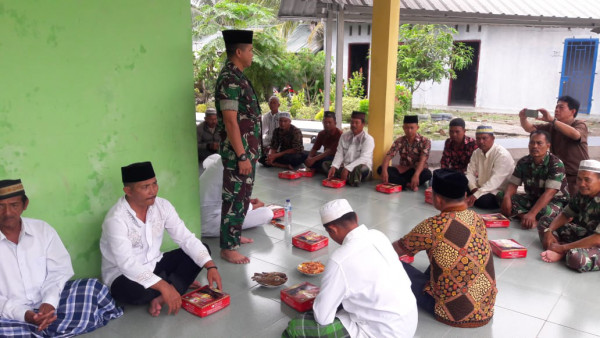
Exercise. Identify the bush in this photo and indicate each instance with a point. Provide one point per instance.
(319, 116)
(403, 102)
(264, 107)
(297, 103)
(200, 108)
(349, 104)
(364, 106)
(305, 113)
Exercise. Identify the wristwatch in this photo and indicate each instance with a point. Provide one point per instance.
(242, 157)
(547, 229)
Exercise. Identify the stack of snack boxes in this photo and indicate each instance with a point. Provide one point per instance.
(306, 172)
(278, 210)
(289, 175)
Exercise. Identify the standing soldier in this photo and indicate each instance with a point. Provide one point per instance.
(238, 115)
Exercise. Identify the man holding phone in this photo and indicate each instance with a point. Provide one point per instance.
(568, 136)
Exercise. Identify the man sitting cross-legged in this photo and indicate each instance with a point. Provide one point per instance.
(287, 150)
(37, 299)
(459, 287)
(543, 175)
(132, 233)
(364, 291)
(575, 233)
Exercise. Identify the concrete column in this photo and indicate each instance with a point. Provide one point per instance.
(339, 65)
(384, 50)
(328, 43)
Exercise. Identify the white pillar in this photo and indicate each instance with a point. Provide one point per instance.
(328, 43)
(339, 63)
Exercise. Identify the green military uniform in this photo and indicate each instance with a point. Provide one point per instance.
(234, 92)
(585, 211)
(550, 174)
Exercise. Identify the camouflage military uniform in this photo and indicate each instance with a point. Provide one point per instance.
(234, 92)
(585, 212)
(550, 174)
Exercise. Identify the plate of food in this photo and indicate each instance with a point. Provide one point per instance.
(270, 279)
(311, 268)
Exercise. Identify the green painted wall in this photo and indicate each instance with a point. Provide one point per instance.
(85, 88)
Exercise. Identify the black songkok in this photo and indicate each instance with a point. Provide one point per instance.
(358, 115)
(449, 183)
(11, 188)
(411, 119)
(137, 172)
(234, 36)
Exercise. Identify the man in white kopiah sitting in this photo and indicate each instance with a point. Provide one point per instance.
(365, 278)
(211, 183)
(132, 233)
(37, 299)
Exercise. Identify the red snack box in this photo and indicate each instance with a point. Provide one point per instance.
(508, 248)
(289, 175)
(388, 188)
(306, 172)
(429, 195)
(310, 241)
(496, 220)
(300, 296)
(278, 210)
(204, 301)
(333, 183)
(407, 259)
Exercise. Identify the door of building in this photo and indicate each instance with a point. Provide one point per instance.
(463, 89)
(358, 61)
(578, 70)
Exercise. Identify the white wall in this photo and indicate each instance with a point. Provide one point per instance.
(518, 67)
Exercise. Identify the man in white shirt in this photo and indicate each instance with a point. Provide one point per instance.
(211, 183)
(132, 233)
(488, 171)
(365, 277)
(270, 121)
(353, 159)
(36, 297)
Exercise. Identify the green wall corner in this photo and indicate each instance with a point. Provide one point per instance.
(88, 87)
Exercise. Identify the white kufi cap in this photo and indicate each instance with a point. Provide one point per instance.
(590, 165)
(335, 209)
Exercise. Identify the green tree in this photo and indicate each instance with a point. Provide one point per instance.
(429, 53)
(269, 48)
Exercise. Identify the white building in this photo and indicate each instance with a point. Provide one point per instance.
(527, 53)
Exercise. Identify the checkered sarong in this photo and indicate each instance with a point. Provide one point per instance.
(306, 326)
(84, 306)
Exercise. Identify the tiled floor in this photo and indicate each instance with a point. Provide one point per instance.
(535, 299)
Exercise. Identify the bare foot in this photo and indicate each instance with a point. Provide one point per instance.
(156, 306)
(234, 257)
(246, 240)
(550, 256)
(195, 285)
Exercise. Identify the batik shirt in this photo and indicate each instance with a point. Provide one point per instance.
(234, 92)
(411, 153)
(550, 174)
(463, 282)
(458, 159)
(287, 139)
(585, 211)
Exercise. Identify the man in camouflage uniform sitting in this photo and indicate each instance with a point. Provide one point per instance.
(575, 233)
(545, 181)
(238, 114)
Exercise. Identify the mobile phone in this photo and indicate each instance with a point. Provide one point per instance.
(531, 113)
